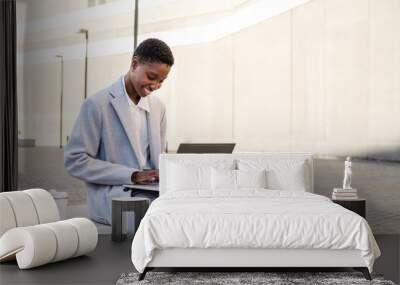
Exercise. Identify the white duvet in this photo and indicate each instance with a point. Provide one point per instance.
(250, 219)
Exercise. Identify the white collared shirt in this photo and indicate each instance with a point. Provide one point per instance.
(140, 126)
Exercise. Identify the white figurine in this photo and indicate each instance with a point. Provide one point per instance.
(347, 174)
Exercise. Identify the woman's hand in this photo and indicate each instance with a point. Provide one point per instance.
(145, 177)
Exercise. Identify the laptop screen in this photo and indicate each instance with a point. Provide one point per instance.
(206, 148)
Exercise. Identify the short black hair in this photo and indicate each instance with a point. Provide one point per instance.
(154, 51)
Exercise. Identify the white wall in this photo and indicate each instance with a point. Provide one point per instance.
(323, 76)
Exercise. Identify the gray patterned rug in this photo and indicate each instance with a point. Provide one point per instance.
(243, 278)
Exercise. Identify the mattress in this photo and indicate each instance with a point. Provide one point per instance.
(250, 219)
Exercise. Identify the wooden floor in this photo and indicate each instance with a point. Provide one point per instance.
(106, 264)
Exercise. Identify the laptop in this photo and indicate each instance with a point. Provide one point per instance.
(206, 148)
(144, 187)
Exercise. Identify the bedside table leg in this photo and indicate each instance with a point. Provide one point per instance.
(116, 223)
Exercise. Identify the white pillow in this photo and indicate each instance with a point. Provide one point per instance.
(251, 178)
(223, 179)
(290, 179)
(189, 175)
(183, 178)
(236, 179)
(282, 174)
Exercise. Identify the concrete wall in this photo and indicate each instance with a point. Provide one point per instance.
(322, 76)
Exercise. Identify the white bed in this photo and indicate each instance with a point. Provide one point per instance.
(201, 220)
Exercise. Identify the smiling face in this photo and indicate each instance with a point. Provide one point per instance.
(145, 77)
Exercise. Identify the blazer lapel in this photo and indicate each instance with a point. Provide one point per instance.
(121, 108)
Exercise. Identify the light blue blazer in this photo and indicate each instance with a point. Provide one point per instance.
(102, 150)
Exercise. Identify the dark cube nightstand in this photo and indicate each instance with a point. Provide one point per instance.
(138, 205)
(356, 205)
